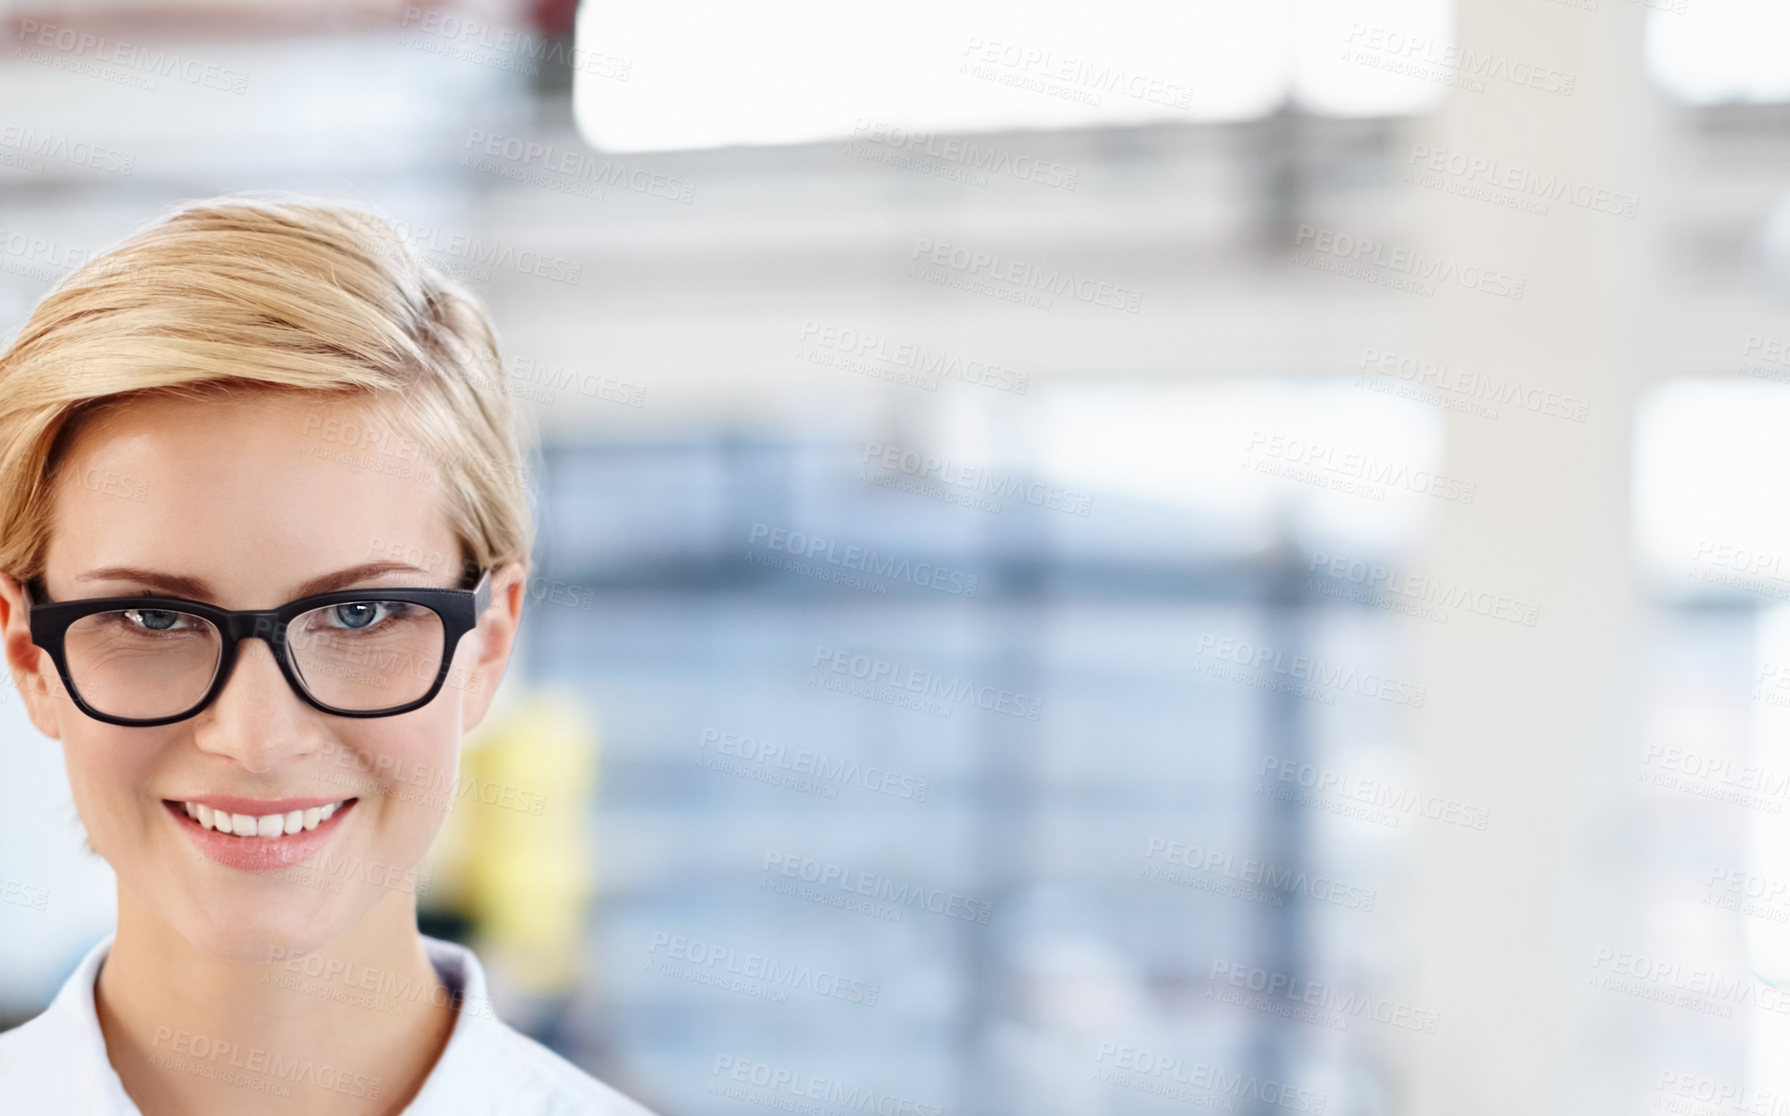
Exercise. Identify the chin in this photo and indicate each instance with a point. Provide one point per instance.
(261, 936)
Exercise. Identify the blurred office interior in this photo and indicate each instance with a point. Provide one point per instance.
(1392, 503)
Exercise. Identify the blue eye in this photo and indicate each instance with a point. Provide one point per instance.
(358, 614)
(153, 619)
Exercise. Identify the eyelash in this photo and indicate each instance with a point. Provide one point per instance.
(136, 626)
(389, 611)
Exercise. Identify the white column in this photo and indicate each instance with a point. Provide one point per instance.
(1530, 721)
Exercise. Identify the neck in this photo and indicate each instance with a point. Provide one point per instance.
(191, 1033)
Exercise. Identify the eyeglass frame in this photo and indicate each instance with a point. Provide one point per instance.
(459, 610)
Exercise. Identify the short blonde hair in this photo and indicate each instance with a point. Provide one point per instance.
(254, 293)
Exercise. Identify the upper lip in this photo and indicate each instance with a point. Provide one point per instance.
(260, 807)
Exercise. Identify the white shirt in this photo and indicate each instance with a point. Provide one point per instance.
(56, 1063)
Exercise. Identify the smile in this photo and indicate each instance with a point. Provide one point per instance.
(264, 825)
(259, 834)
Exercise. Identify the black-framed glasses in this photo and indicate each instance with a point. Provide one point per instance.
(146, 660)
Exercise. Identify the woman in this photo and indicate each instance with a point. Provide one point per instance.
(263, 544)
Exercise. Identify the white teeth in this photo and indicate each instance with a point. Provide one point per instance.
(270, 825)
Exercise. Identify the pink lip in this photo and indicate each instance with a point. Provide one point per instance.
(260, 853)
(257, 807)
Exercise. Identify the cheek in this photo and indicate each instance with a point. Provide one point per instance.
(405, 769)
(109, 773)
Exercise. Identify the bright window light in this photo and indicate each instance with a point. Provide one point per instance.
(1709, 510)
(1373, 57)
(709, 73)
(1710, 51)
(1340, 463)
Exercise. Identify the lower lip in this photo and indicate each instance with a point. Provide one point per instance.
(256, 853)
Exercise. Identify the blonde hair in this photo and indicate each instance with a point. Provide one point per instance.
(282, 294)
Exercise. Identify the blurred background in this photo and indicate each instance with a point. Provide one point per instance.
(1092, 560)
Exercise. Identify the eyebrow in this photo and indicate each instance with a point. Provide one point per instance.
(198, 589)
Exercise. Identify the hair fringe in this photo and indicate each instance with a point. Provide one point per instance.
(266, 291)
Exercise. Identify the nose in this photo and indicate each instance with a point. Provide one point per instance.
(256, 719)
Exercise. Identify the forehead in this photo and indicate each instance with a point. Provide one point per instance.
(253, 493)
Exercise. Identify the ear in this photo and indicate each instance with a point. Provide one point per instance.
(33, 673)
(492, 643)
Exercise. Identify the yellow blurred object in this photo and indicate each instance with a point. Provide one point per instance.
(514, 855)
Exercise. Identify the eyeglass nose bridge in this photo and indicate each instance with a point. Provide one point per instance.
(265, 626)
(259, 625)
